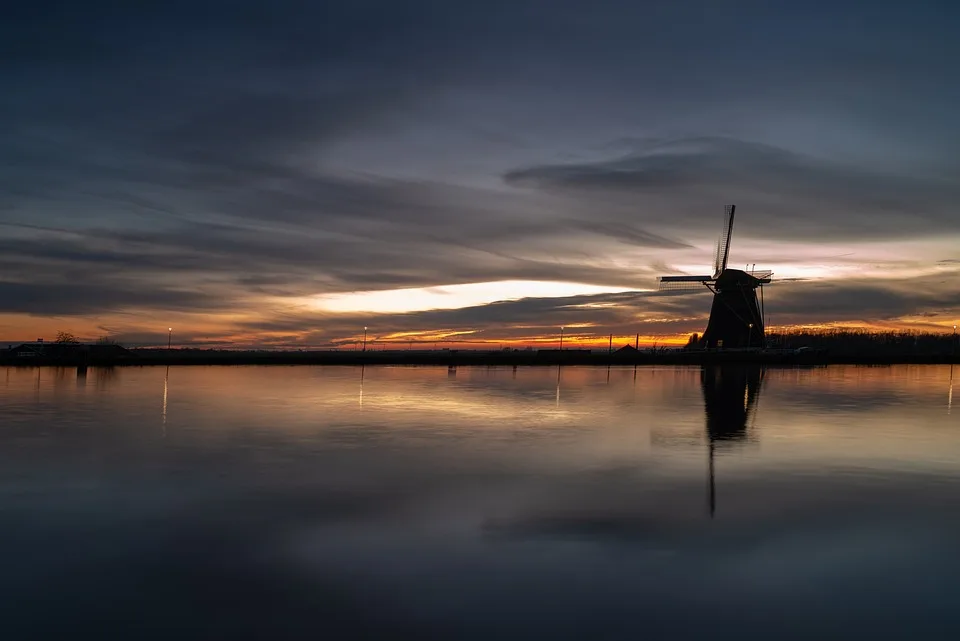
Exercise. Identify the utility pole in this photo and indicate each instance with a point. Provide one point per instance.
(364, 339)
(561, 338)
(610, 346)
(170, 337)
(637, 345)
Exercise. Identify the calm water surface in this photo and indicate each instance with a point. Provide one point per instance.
(421, 503)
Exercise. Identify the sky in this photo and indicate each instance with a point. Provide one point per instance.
(286, 173)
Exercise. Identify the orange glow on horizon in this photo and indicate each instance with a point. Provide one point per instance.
(223, 331)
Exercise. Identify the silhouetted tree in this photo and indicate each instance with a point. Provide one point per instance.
(66, 338)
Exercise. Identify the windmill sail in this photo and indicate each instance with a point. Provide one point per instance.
(673, 283)
(723, 243)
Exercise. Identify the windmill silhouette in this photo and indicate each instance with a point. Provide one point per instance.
(736, 317)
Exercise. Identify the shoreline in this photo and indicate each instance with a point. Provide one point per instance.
(137, 358)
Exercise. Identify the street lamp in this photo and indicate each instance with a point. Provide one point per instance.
(953, 347)
(749, 334)
(561, 338)
(364, 339)
(169, 336)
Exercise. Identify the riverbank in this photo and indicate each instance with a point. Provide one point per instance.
(454, 358)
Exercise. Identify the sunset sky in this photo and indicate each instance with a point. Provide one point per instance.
(289, 172)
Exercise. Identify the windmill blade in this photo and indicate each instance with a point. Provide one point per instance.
(716, 253)
(723, 245)
(675, 283)
(681, 287)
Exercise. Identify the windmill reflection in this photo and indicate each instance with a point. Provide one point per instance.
(730, 396)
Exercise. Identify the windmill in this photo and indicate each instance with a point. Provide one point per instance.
(736, 317)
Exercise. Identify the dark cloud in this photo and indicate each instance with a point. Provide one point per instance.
(62, 299)
(862, 300)
(787, 193)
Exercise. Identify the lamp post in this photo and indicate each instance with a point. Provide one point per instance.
(364, 339)
(561, 338)
(169, 337)
(953, 345)
(749, 334)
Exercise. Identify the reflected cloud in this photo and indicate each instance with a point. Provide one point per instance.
(476, 478)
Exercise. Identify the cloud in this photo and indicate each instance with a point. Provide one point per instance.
(217, 154)
(787, 193)
(63, 299)
(867, 301)
(649, 313)
(530, 318)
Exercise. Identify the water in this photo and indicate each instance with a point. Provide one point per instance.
(310, 503)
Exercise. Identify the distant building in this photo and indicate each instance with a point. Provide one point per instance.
(29, 350)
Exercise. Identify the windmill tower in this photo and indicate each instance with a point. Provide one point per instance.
(736, 317)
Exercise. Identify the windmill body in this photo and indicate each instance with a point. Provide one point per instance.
(736, 317)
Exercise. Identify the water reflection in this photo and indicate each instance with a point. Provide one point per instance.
(559, 370)
(730, 395)
(163, 412)
(469, 508)
(105, 376)
(950, 392)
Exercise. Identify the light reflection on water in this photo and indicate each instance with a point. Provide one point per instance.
(300, 502)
